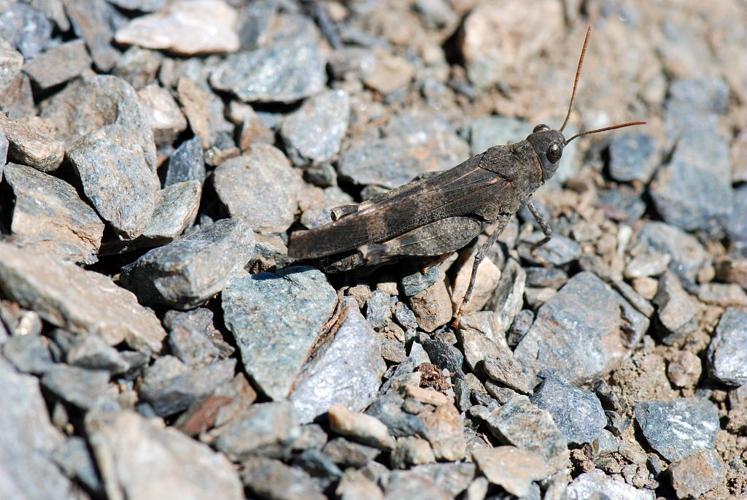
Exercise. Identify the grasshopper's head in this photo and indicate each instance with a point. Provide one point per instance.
(548, 145)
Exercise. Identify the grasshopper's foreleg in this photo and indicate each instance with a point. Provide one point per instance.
(544, 225)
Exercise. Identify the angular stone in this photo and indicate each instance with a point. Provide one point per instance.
(28, 353)
(176, 211)
(688, 255)
(354, 485)
(92, 353)
(274, 348)
(697, 474)
(525, 426)
(678, 428)
(633, 157)
(11, 63)
(26, 28)
(577, 413)
(452, 478)
(684, 369)
(27, 441)
(197, 104)
(415, 143)
(49, 215)
(508, 296)
(511, 468)
(347, 453)
(185, 27)
(77, 386)
(166, 120)
(78, 300)
(689, 195)
(74, 459)
(411, 451)
(260, 187)
(346, 371)
(678, 312)
(510, 372)
(187, 272)
(281, 72)
(91, 21)
(124, 444)
(559, 251)
(260, 426)
(170, 386)
(723, 295)
(17, 99)
(30, 143)
(139, 67)
(582, 331)
(476, 337)
(596, 484)
(315, 131)
(193, 337)
(647, 264)
(186, 163)
(415, 488)
(360, 427)
(444, 430)
(727, 353)
(432, 306)
(268, 478)
(486, 281)
(58, 64)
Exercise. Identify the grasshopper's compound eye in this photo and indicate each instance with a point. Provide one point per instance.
(540, 128)
(554, 152)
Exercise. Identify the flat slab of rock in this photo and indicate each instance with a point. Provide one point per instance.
(281, 72)
(727, 353)
(260, 427)
(91, 21)
(346, 371)
(30, 142)
(276, 318)
(582, 331)
(78, 300)
(185, 27)
(124, 444)
(77, 386)
(511, 468)
(598, 484)
(58, 64)
(186, 163)
(187, 272)
(48, 214)
(688, 255)
(27, 441)
(260, 187)
(678, 428)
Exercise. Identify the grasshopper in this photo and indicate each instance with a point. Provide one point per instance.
(442, 212)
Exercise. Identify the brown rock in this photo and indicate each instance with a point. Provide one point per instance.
(81, 301)
(732, 270)
(684, 369)
(166, 119)
(444, 430)
(196, 105)
(511, 468)
(364, 428)
(697, 474)
(432, 306)
(91, 21)
(31, 142)
(58, 64)
(185, 27)
(486, 280)
(389, 73)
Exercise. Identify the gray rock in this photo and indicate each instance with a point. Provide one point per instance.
(189, 336)
(124, 444)
(697, 474)
(583, 331)
(388, 409)
(509, 372)
(688, 255)
(413, 284)
(260, 187)
(736, 227)
(347, 453)
(484, 133)
(577, 413)
(268, 478)
(346, 371)
(514, 469)
(186, 163)
(315, 131)
(11, 63)
(526, 426)
(647, 264)
(678, 312)
(74, 459)
(727, 353)
(58, 64)
(275, 359)
(281, 72)
(31, 142)
(187, 272)
(694, 190)
(677, 429)
(28, 353)
(508, 297)
(414, 488)
(78, 300)
(49, 215)
(597, 484)
(26, 28)
(27, 441)
(379, 308)
(91, 352)
(170, 386)
(622, 204)
(139, 67)
(694, 103)
(559, 251)
(415, 143)
(546, 277)
(91, 20)
(175, 211)
(633, 157)
(452, 478)
(77, 386)
(260, 427)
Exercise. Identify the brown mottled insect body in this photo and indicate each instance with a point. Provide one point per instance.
(442, 212)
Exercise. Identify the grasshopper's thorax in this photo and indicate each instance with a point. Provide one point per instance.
(548, 145)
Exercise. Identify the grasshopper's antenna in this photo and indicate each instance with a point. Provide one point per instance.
(578, 75)
(612, 127)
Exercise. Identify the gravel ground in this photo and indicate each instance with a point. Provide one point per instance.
(156, 341)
